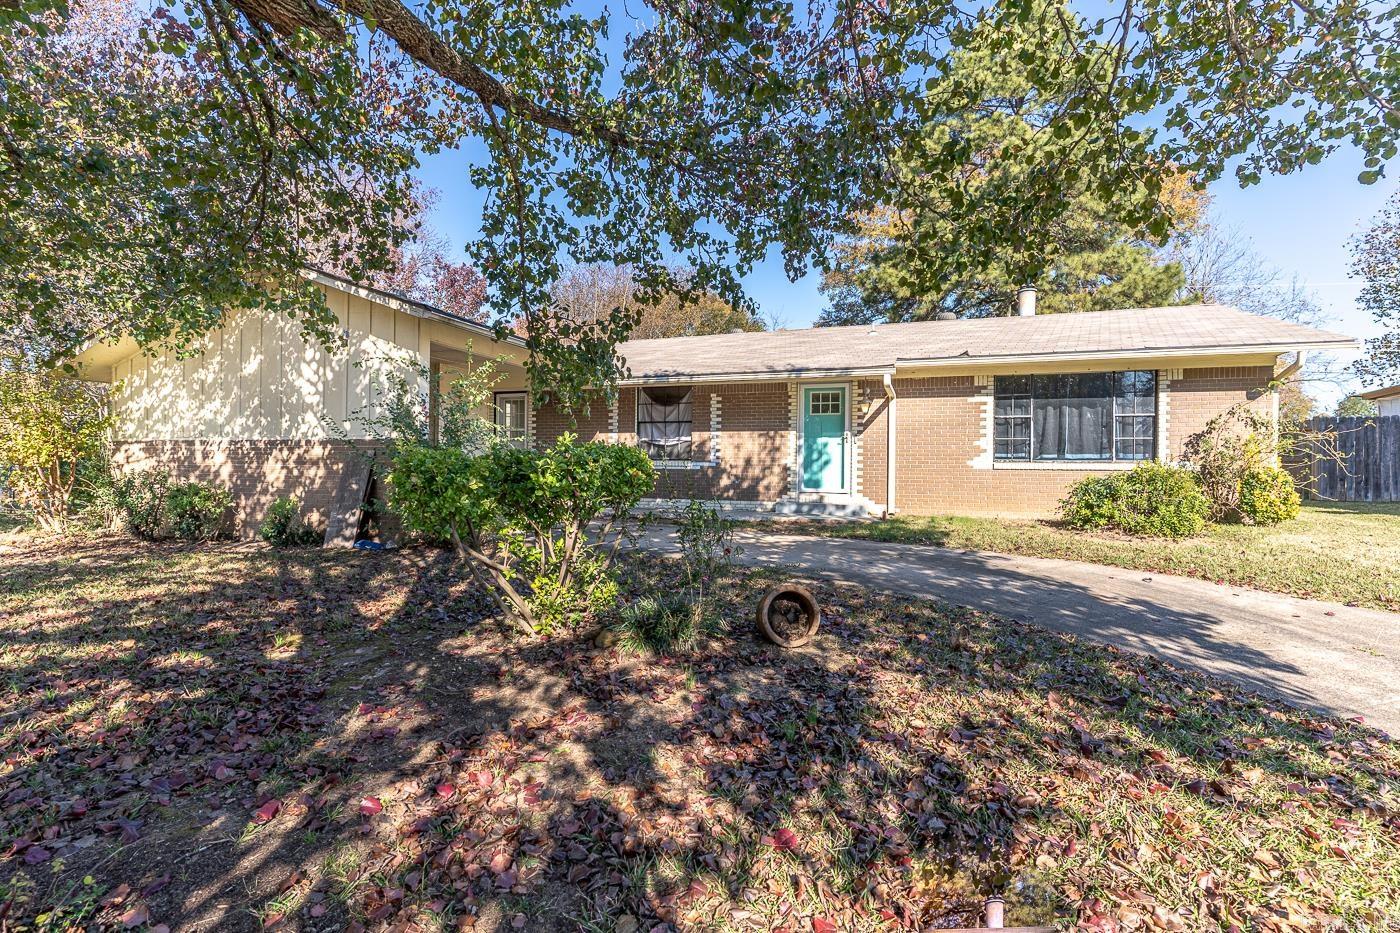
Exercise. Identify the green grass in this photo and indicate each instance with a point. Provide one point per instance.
(1342, 552)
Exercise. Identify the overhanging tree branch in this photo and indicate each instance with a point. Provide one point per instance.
(421, 43)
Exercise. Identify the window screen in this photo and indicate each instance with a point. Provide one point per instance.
(1078, 416)
(663, 422)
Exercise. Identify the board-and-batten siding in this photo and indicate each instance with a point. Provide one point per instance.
(257, 378)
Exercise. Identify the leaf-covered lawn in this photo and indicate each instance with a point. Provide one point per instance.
(1342, 552)
(228, 737)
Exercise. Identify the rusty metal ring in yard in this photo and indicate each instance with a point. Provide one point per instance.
(784, 634)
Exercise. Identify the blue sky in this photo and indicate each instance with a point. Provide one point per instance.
(1299, 223)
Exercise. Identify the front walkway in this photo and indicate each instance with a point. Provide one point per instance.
(1327, 656)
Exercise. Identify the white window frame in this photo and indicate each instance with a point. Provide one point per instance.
(498, 416)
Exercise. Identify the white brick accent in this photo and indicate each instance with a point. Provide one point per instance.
(1164, 398)
(529, 422)
(612, 422)
(716, 428)
(860, 406)
(985, 396)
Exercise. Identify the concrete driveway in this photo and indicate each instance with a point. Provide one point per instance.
(1327, 656)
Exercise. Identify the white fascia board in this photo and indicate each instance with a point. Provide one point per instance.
(1168, 353)
(780, 376)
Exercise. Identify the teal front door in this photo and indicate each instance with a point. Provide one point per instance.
(824, 439)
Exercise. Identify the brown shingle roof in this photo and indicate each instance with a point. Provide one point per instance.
(1179, 330)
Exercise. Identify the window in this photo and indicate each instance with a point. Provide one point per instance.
(824, 403)
(510, 417)
(663, 422)
(1079, 416)
(1135, 416)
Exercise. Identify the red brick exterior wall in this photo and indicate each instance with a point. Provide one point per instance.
(1201, 394)
(943, 462)
(940, 427)
(746, 463)
(590, 424)
(257, 472)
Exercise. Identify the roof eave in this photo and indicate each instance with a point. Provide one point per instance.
(1375, 395)
(762, 376)
(406, 305)
(1145, 354)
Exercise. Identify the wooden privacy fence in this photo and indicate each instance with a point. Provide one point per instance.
(1370, 470)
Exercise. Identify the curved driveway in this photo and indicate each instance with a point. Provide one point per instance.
(1334, 658)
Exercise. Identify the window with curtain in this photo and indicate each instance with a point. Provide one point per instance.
(663, 422)
(1076, 416)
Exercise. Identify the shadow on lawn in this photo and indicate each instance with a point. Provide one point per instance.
(415, 765)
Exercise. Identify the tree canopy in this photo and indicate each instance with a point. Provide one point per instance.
(201, 169)
(422, 269)
(592, 292)
(1375, 260)
(1099, 263)
(1354, 406)
(918, 255)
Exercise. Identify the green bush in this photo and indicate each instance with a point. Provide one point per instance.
(197, 511)
(589, 591)
(140, 498)
(539, 528)
(1152, 499)
(1268, 496)
(1236, 456)
(94, 502)
(666, 624)
(284, 526)
(49, 426)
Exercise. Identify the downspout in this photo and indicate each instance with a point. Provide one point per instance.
(1293, 367)
(888, 380)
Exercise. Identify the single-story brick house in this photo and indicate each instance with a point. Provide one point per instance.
(987, 416)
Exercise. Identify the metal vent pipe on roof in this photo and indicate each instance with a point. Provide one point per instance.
(1025, 301)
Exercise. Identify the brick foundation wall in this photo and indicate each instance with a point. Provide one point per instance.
(256, 471)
